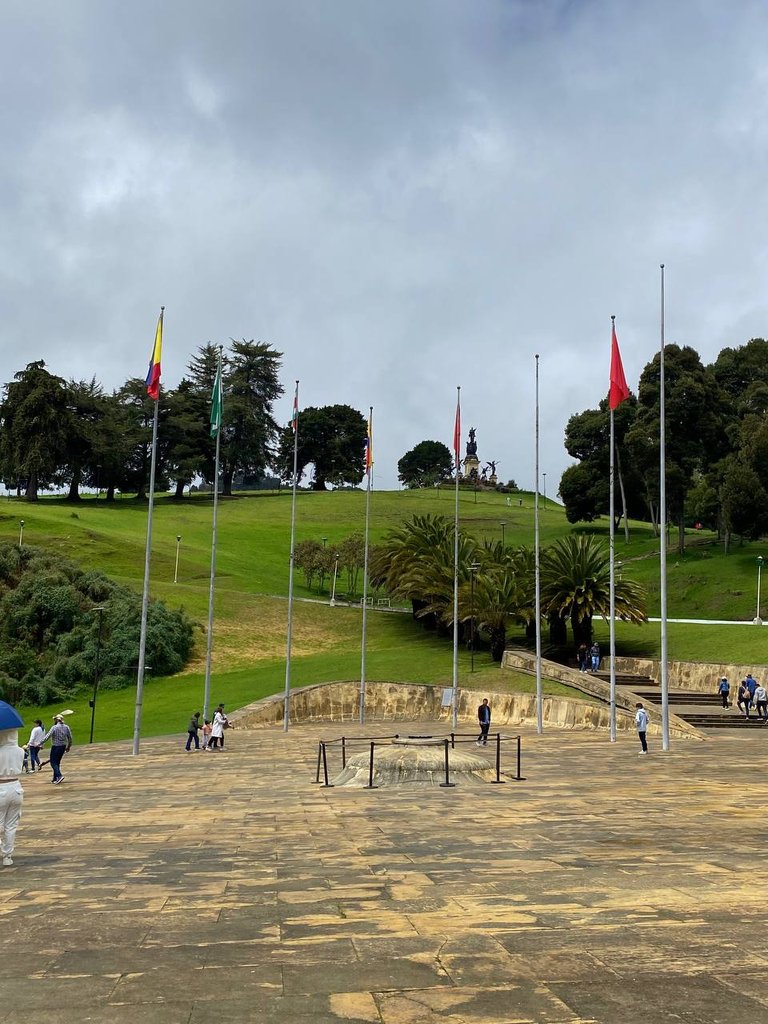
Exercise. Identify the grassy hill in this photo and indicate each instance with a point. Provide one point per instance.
(253, 577)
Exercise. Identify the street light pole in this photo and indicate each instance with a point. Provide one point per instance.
(545, 488)
(474, 566)
(335, 574)
(176, 569)
(757, 620)
(92, 702)
(21, 532)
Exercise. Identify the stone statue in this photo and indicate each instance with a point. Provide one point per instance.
(492, 467)
(471, 443)
(11, 793)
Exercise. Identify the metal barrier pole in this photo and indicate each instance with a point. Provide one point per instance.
(498, 781)
(343, 752)
(519, 777)
(327, 784)
(370, 770)
(453, 744)
(317, 773)
(447, 784)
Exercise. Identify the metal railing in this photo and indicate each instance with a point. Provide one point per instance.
(449, 743)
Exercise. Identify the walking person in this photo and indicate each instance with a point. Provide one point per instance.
(724, 688)
(217, 728)
(206, 731)
(11, 793)
(484, 718)
(744, 699)
(34, 744)
(641, 724)
(751, 685)
(761, 702)
(582, 653)
(194, 725)
(60, 736)
(594, 655)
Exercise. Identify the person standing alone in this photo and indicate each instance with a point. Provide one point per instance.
(484, 718)
(61, 743)
(641, 724)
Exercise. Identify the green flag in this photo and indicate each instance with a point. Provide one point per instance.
(217, 398)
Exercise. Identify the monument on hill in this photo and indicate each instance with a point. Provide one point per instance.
(471, 461)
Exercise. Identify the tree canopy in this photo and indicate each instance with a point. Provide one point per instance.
(425, 465)
(332, 439)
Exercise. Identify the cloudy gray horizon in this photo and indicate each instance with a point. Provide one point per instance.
(401, 197)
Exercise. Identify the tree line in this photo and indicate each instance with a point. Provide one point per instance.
(497, 585)
(716, 446)
(58, 433)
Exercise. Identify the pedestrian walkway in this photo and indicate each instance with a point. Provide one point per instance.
(195, 888)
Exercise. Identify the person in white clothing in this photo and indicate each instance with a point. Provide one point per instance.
(761, 702)
(641, 723)
(217, 730)
(11, 793)
(34, 744)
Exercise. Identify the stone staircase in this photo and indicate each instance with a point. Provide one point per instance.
(702, 710)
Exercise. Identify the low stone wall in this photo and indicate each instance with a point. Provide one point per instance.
(524, 661)
(699, 676)
(405, 702)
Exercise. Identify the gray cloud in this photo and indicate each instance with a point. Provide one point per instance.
(402, 197)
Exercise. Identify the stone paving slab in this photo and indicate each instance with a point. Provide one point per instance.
(195, 888)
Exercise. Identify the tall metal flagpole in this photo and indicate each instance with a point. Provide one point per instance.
(612, 588)
(664, 680)
(147, 559)
(287, 698)
(212, 584)
(369, 473)
(455, 687)
(537, 572)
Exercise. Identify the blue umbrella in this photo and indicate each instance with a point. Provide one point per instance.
(9, 717)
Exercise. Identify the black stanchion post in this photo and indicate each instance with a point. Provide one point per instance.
(453, 742)
(498, 780)
(370, 770)
(519, 777)
(327, 784)
(447, 784)
(343, 752)
(319, 756)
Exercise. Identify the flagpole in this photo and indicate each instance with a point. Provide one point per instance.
(287, 698)
(369, 474)
(537, 572)
(147, 558)
(612, 589)
(664, 680)
(212, 584)
(455, 687)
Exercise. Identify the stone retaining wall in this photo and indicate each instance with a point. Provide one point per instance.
(401, 702)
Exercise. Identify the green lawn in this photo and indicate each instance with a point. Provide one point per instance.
(252, 584)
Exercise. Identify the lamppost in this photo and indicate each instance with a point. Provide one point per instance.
(92, 702)
(503, 527)
(176, 568)
(324, 540)
(473, 567)
(335, 574)
(21, 532)
(545, 487)
(757, 620)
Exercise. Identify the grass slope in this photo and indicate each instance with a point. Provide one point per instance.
(252, 586)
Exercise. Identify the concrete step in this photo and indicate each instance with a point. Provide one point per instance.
(724, 721)
(684, 697)
(623, 679)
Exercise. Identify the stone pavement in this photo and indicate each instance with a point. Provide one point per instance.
(226, 887)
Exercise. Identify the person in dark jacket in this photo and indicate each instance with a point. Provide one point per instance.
(194, 725)
(484, 718)
(724, 689)
(745, 698)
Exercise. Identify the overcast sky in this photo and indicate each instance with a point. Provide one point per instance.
(399, 195)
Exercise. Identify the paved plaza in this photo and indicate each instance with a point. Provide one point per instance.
(209, 887)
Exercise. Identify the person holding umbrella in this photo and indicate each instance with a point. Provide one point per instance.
(11, 793)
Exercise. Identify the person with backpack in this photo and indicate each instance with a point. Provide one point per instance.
(745, 698)
(641, 724)
(724, 689)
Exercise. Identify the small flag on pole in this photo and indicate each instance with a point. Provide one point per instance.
(217, 402)
(295, 413)
(619, 392)
(153, 376)
(369, 447)
(457, 435)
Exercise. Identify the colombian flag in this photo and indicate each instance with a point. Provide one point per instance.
(153, 376)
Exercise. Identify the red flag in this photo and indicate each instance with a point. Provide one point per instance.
(619, 392)
(457, 434)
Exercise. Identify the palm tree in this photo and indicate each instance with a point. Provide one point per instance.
(575, 583)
